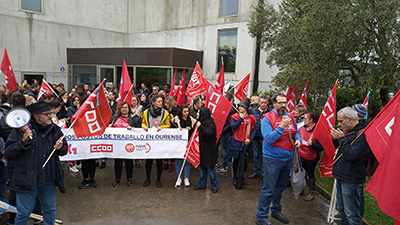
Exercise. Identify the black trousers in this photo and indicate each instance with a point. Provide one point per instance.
(149, 164)
(88, 168)
(118, 168)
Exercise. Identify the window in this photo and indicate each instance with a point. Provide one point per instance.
(227, 49)
(152, 75)
(229, 7)
(32, 5)
(84, 74)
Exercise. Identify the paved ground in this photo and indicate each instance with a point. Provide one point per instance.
(168, 205)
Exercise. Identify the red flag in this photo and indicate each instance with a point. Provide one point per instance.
(93, 116)
(365, 103)
(242, 87)
(219, 85)
(45, 88)
(380, 129)
(322, 133)
(193, 149)
(196, 85)
(181, 90)
(6, 69)
(124, 85)
(219, 107)
(303, 99)
(128, 96)
(291, 97)
(172, 90)
(384, 184)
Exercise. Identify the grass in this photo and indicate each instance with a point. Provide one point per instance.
(372, 213)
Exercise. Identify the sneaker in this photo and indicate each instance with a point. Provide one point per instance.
(78, 166)
(280, 217)
(115, 183)
(265, 222)
(310, 196)
(178, 182)
(222, 170)
(93, 183)
(186, 181)
(35, 221)
(73, 169)
(85, 183)
(103, 165)
(129, 183)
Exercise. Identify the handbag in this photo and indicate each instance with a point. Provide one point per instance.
(298, 175)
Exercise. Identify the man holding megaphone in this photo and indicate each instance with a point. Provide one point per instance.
(30, 149)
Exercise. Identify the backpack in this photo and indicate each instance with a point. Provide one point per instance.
(372, 163)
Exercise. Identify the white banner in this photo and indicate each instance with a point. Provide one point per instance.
(131, 144)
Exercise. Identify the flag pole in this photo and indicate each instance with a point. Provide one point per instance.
(69, 128)
(128, 92)
(186, 155)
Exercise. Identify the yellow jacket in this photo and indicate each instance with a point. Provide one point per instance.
(165, 122)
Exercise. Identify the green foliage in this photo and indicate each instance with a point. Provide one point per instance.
(356, 42)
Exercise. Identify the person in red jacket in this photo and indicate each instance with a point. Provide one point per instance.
(243, 133)
(309, 151)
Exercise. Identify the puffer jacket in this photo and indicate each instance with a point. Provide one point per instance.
(30, 156)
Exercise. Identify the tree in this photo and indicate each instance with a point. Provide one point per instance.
(356, 42)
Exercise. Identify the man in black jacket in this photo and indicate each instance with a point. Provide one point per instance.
(349, 166)
(30, 149)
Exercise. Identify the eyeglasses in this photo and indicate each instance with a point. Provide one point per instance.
(46, 114)
(281, 103)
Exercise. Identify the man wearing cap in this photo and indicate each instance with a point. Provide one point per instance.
(280, 138)
(243, 133)
(30, 149)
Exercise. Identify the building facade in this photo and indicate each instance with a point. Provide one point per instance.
(42, 39)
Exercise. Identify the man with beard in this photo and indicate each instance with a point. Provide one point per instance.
(30, 149)
(281, 136)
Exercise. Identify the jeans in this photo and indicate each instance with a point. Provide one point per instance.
(203, 177)
(257, 154)
(224, 140)
(26, 203)
(350, 202)
(3, 181)
(276, 176)
(179, 163)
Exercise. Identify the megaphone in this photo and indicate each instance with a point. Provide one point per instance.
(19, 118)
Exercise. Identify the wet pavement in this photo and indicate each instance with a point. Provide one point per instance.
(168, 205)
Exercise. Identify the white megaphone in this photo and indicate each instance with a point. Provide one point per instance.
(19, 118)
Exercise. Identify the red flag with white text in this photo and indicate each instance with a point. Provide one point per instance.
(220, 84)
(291, 96)
(45, 88)
(219, 107)
(94, 114)
(379, 131)
(303, 98)
(193, 149)
(322, 133)
(6, 69)
(124, 85)
(172, 89)
(180, 100)
(242, 87)
(384, 184)
(197, 84)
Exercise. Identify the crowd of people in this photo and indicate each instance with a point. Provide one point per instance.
(258, 129)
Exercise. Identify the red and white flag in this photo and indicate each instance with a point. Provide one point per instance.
(94, 114)
(193, 149)
(380, 129)
(172, 90)
(124, 86)
(291, 96)
(197, 84)
(322, 133)
(303, 99)
(180, 100)
(384, 184)
(220, 84)
(242, 87)
(6, 69)
(219, 107)
(45, 88)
